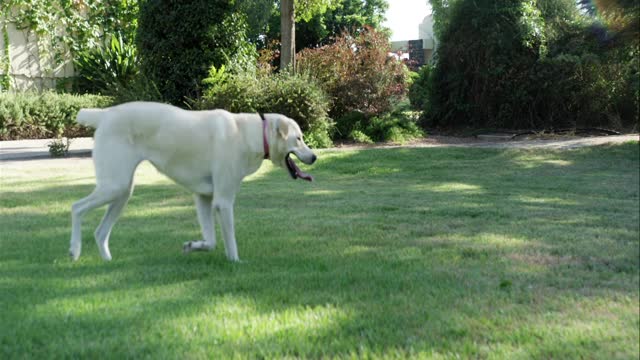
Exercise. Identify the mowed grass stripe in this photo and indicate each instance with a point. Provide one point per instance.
(390, 253)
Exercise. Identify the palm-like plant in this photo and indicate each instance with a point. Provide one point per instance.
(107, 70)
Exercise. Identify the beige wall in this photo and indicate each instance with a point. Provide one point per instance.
(31, 70)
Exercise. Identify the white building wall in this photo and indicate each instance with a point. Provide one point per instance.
(27, 70)
(425, 30)
(425, 33)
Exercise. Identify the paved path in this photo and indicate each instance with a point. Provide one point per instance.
(563, 143)
(81, 147)
(39, 149)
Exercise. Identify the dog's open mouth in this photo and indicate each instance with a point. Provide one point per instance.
(295, 171)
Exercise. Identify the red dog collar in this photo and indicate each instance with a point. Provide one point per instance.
(265, 143)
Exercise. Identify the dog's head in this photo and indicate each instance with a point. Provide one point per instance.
(285, 138)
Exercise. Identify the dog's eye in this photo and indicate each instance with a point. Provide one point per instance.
(299, 138)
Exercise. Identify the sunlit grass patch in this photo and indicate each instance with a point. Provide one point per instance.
(395, 253)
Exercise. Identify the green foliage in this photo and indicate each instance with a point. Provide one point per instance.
(527, 64)
(180, 41)
(5, 61)
(238, 93)
(296, 96)
(109, 69)
(620, 17)
(483, 63)
(59, 147)
(64, 28)
(259, 14)
(315, 19)
(43, 115)
(140, 88)
(357, 73)
(362, 82)
(418, 90)
(319, 134)
(397, 126)
(114, 71)
(360, 137)
(352, 16)
(347, 123)
(216, 76)
(305, 9)
(441, 10)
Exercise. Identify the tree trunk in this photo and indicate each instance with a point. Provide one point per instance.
(288, 35)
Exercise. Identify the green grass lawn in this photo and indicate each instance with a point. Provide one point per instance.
(391, 253)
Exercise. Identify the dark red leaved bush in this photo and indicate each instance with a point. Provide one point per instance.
(357, 73)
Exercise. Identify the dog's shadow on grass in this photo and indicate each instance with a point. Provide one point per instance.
(408, 251)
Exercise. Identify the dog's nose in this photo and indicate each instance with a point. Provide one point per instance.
(314, 158)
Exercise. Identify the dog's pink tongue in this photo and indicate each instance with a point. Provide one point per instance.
(299, 173)
(303, 175)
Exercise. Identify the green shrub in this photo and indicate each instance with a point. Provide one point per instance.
(318, 135)
(529, 65)
(59, 147)
(179, 41)
(397, 126)
(418, 90)
(346, 124)
(140, 88)
(107, 70)
(238, 93)
(296, 96)
(44, 115)
(359, 136)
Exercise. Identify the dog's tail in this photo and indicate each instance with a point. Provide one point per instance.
(91, 117)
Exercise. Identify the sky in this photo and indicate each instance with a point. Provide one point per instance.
(404, 16)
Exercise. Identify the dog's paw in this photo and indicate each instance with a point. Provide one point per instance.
(234, 259)
(199, 245)
(74, 254)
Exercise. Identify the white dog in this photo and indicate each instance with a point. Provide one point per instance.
(208, 152)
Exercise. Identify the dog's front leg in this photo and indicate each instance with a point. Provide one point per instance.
(223, 207)
(205, 218)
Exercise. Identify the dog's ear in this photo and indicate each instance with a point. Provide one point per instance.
(283, 127)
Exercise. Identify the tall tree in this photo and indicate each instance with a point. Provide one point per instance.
(178, 41)
(620, 17)
(318, 20)
(349, 16)
(289, 10)
(441, 14)
(287, 34)
(535, 64)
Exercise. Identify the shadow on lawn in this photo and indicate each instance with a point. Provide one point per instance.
(406, 252)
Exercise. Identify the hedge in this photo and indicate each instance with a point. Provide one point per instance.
(296, 96)
(32, 115)
(178, 41)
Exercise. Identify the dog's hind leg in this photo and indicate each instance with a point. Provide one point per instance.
(205, 218)
(113, 186)
(110, 217)
(99, 197)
